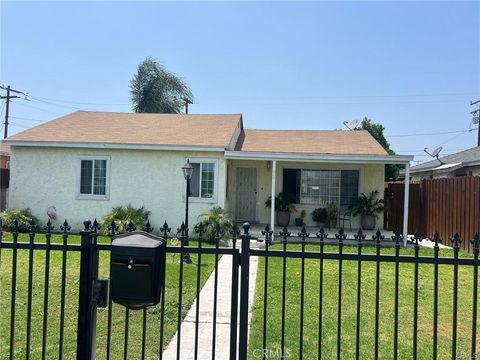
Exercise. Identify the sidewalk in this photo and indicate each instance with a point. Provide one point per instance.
(205, 326)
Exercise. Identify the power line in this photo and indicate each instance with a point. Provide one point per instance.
(434, 133)
(27, 119)
(37, 108)
(81, 103)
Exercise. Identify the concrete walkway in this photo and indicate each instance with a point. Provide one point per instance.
(205, 328)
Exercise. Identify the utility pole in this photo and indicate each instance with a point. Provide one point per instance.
(187, 101)
(476, 118)
(7, 104)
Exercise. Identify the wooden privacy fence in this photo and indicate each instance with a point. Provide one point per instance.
(446, 205)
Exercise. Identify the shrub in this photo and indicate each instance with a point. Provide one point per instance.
(122, 216)
(215, 218)
(24, 219)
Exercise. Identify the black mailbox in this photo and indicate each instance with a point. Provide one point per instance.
(136, 268)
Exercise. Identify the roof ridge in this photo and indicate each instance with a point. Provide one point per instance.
(133, 113)
(323, 130)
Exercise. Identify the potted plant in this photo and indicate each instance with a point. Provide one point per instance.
(283, 206)
(369, 207)
(332, 211)
(301, 220)
(319, 215)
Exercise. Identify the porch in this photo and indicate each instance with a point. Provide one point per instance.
(314, 180)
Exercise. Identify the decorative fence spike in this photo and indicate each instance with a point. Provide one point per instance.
(131, 226)
(246, 228)
(456, 240)
(65, 227)
(398, 238)
(436, 239)
(182, 230)
(165, 230)
(95, 226)
(417, 237)
(218, 233)
(112, 228)
(359, 236)
(378, 237)
(322, 235)
(268, 234)
(476, 243)
(285, 234)
(341, 235)
(200, 230)
(147, 227)
(303, 233)
(49, 227)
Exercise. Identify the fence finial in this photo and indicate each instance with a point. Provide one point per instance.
(322, 235)
(165, 230)
(456, 240)
(268, 234)
(246, 227)
(341, 235)
(303, 233)
(285, 234)
(417, 237)
(476, 242)
(86, 224)
(65, 227)
(147, 227)
(359, 236)
(131, 226)
(49, 227)
(378, 237)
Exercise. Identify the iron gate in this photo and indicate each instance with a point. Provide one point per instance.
(52, 344)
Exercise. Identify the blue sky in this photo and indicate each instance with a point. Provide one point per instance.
(412, 66)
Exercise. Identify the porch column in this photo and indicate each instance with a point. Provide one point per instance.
(272, 209)
(406, 203)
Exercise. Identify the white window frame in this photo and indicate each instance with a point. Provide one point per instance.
(199, 199)
(80, 196)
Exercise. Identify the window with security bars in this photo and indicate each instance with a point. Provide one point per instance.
(202, 183)
(321, 187)
(93, 177)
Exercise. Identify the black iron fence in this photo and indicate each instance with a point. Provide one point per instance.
(41, 325)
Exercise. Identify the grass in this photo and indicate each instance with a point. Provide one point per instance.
(348, 322)
(71, 307)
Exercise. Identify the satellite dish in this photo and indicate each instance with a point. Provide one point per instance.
(437, 151)
(351, 125)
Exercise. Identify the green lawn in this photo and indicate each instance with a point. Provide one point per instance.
(118, 312)
(425, 301)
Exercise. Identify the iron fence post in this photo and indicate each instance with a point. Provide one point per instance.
(244, 287)
(87, 314)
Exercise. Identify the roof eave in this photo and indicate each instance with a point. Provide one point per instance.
(62, 144)
(305, 157)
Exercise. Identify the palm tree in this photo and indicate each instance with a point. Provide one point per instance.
(154, 89)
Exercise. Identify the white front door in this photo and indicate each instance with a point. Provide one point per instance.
(246, 195)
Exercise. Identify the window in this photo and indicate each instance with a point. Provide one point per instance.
(321, 187)
(202, 184)
(93, 178)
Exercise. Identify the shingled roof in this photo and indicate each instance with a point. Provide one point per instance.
(136, 129)
(358, 142)
(467, 157)
(87, 128)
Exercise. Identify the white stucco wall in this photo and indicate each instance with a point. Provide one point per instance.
(371, 178)
(43, 177)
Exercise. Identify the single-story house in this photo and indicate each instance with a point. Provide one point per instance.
(463, 163)
(85, 163)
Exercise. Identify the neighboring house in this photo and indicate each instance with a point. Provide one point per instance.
(87, 162)
(4, 174)
(463, 163)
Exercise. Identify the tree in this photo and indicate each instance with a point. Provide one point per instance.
(154, 89)
(376, 130)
